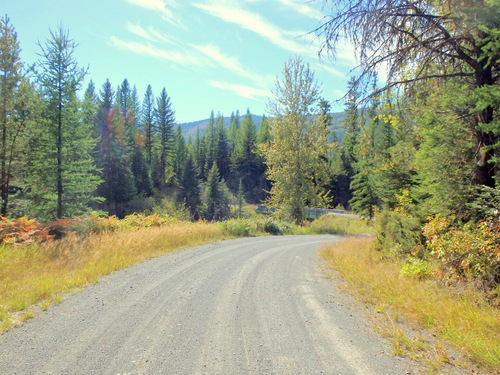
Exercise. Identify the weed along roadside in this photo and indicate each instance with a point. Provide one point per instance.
(37, 270)
(441, 327)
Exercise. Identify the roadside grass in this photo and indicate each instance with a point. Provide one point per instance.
(38, 275)
(459, 317)
(335, 224)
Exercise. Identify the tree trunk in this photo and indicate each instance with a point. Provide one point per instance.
(484, 168)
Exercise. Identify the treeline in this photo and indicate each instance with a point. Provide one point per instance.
(63, 155)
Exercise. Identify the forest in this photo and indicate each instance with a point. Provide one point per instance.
(419, 153)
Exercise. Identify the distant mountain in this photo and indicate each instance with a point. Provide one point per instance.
(190, 128)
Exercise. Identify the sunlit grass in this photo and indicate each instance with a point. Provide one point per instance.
(42, 273)
(336, 224)
(461, 318)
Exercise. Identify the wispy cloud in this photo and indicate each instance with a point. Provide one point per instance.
(229, 62)
(334, 72)
(242, 90)
(150, 50)
(256, 23)
(159, 6)
(303, 9)
(150, 33)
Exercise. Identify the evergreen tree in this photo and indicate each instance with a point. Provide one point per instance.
(199, 153)
(246, 162)
(364, 199)
(210, 142)
(10, 124)
(352, 126)
(189, 189)
(234, 125)
(180, 153)
(264, 133)
(215, 196)
(118, 186)
(60, 78)
(240, 199)
(148, 123)
(222, 148)
(165, 120)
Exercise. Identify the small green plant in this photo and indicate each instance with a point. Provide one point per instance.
(416, 268)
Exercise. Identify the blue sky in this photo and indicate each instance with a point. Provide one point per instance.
(221, 55)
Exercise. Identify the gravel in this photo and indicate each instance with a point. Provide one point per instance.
(247, 306)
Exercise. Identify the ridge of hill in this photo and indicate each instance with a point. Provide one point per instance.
(189, 128)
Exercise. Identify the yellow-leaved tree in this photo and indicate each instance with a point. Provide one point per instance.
(296, 153)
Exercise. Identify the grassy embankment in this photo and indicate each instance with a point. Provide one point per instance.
(38, 274)
(434, 313)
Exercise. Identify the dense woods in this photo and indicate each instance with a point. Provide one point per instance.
(421, 148)
(65, 153)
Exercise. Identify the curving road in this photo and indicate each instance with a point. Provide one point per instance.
(248, 306)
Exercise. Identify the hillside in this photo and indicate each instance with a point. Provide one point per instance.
(189, 128)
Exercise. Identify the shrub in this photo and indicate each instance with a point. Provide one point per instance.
(398, 232)
(238, 227)
(416, 268)
(469, 252)
(22, 230)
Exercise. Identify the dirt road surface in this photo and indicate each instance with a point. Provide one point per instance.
(247, 306)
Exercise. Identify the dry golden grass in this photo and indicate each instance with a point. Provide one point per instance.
(459, 317)
(42, 274)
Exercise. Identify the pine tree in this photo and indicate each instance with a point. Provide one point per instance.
(60, 78)
(189, 192)
(180, 153)
(210, 141)
(246, 162)
(240, 198)
(199, 153)
(10, 124)
(215, 196)
(118, 186)
(148, 123)
(222, 148)
(264, 133)
(165, 120)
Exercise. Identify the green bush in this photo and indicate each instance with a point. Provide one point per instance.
(398, 232)
(239, 228)
(416, 268)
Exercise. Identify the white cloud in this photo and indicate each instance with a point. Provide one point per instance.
(256, 23)
(242, 90)
(229, 62)
(158, 6)
(303, 9)
(150, 34)
(332, 71)
(149, 50)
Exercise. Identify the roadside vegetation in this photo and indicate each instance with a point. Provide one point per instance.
(417, 310)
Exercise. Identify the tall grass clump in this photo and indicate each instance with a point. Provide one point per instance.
(334, 224)
(461, 317)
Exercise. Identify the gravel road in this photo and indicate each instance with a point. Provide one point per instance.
(247, 306)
